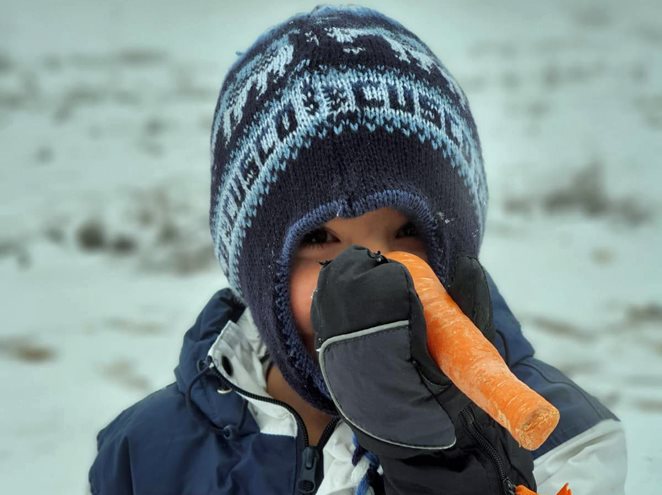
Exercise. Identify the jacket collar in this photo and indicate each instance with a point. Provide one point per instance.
(220, 409)
(241, 356)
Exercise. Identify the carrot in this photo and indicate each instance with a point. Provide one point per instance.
(565, 490)
(522, 490)
(473, 364)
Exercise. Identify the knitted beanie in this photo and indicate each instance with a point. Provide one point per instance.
(334, 113)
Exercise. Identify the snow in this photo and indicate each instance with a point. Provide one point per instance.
(105, 258)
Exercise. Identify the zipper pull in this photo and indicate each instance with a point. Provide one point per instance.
(307, 482)
(509, 486)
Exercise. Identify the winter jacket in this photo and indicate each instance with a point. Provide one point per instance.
(211, 434)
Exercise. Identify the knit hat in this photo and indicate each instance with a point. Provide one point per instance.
(334, 113)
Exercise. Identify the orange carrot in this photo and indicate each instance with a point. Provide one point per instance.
(522, 490)
(565, 490)
(473, 364)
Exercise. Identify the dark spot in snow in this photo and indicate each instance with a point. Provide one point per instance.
(645, 313)
(642, 379)
(123, 244)
(6, 63)
(575, 368)
(25, 349)
(91, 235)
(490, 48)
(168, 233)
(141, 56)
(135, 327)
(44, 154)
(154, 126)
(126, 97)
(123, 372)
(650, 33)
(593, 16)
(12, 100)
(76, 97)
(518, 205)
(559, 327)
(554, 45)
(52, 62)
(639, 72)
(133, 57)
(585, 193)
(649, 405)
(150, 147)
(54, 233)
(17, 249)
(650, 108)
(537, 108)
(555, 75)
(510, 80)
(187, 89)
(602, 255)
(189, 260)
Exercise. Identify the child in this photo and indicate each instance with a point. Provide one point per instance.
(337, 129)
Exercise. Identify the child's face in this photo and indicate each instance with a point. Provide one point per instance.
(382, 230)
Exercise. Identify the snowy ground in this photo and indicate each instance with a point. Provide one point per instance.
(105, 259)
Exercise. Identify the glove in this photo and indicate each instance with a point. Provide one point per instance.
(372, 345)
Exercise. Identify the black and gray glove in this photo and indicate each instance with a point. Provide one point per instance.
(372, 345)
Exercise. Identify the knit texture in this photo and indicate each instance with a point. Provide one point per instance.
(334, 113)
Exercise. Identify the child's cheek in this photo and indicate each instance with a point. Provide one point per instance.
(303, 281)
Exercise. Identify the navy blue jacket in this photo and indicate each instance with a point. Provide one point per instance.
(188, 438)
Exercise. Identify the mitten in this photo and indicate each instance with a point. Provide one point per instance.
(371, 340)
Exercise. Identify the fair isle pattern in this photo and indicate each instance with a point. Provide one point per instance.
(269, 65)
(352, 99)
(256, 73)
(275, 58)
(404, 47)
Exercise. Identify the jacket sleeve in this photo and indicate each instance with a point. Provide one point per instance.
(111, 471)
(593, 462)
(587, 449)
(157, 445)
(139, 450)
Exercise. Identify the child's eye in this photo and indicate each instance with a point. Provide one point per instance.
(409, 229)
(320, 236)
(316, 238)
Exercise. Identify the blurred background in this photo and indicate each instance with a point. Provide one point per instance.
(105, 255)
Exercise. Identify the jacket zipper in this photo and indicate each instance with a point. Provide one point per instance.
(309, 478)
(308, 458)
(469, 419)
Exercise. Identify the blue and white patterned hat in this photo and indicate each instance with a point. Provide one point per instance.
(336, 112)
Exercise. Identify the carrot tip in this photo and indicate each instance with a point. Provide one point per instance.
(533, 433)
(473, 363)
(565, 490)
(522, 490)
